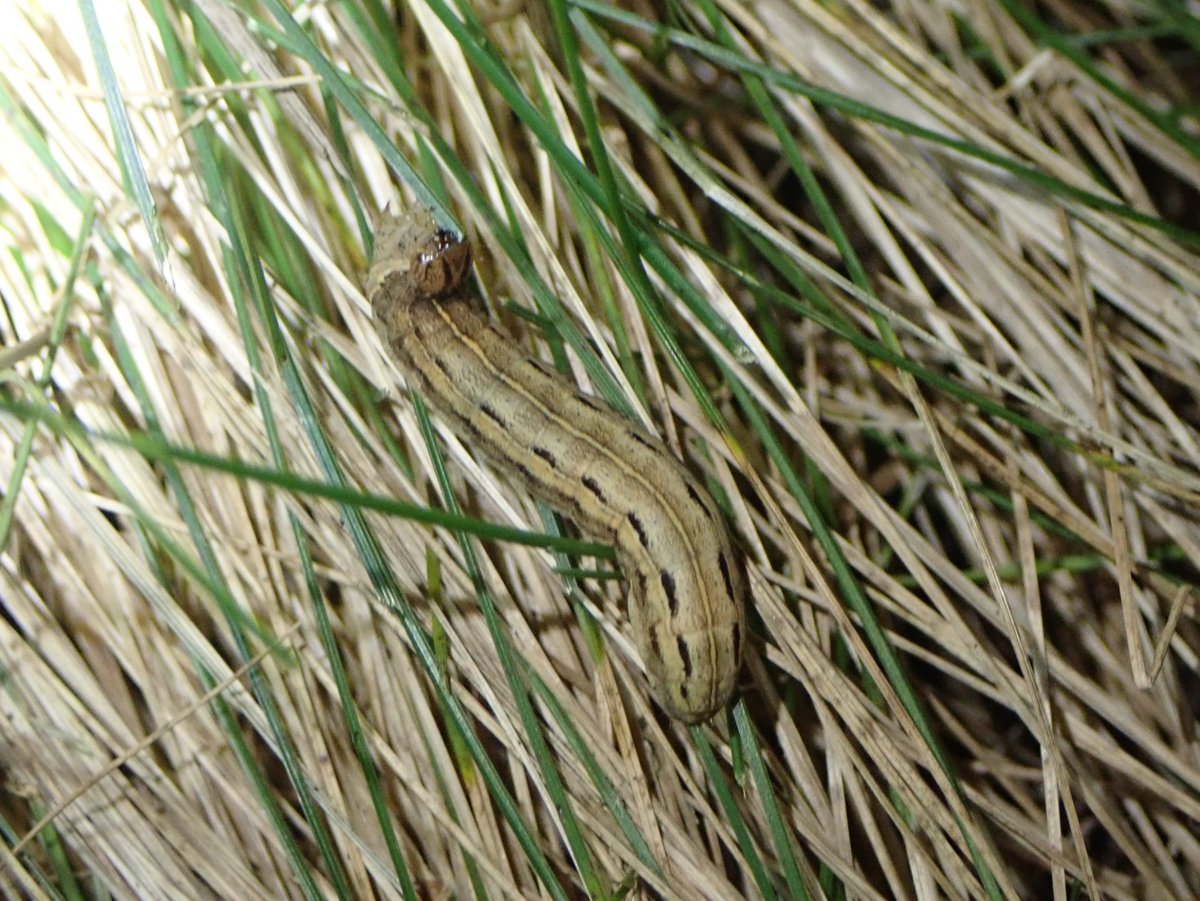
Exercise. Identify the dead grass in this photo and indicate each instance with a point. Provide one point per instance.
(914, 288)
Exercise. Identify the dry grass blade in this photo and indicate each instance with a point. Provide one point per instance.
(912, 286)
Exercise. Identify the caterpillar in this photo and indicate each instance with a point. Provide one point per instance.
(575, 453)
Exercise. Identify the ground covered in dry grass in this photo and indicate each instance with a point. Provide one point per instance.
(912, 286)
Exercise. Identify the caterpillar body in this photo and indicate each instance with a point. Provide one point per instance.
(616, 481)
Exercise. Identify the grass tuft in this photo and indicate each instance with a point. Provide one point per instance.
(913, 290)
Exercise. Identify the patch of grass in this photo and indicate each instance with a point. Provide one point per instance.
(913, 294)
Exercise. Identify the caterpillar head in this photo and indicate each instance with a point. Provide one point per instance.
(415, 257)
